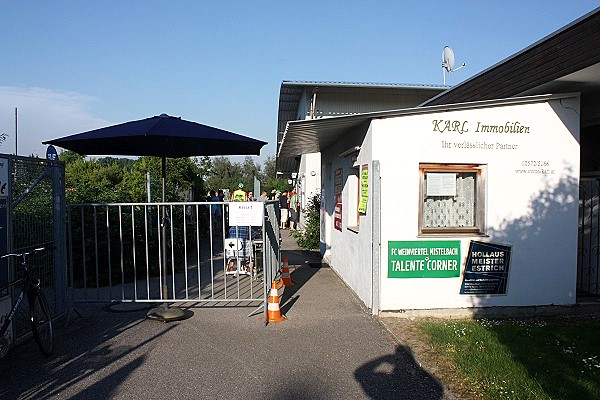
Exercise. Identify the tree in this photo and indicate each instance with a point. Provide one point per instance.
(270, 168)
(91, 181)
(270, 179)
(69, 156)
(3, 137)
(310, 237)
(250, 170)
(204, 166)
(224, 174)
(183, 177)
(110, 179)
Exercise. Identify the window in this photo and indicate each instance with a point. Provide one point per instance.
(452, 199)
(353, 199)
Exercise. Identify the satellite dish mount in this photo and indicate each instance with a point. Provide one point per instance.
(448, 62)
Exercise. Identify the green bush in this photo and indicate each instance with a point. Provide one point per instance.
(310, 237)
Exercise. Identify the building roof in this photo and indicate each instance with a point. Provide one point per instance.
(291, 92)
(311, 136)
(565, 61)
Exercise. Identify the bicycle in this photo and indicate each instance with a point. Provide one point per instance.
(39, 311)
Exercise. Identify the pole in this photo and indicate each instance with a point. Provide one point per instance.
(164, 312)
(149, 197)
(16, 133)
(164, 232)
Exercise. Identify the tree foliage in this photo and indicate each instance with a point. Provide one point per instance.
(119, 180)
(113, 180)
(310, 237)
(224, 174)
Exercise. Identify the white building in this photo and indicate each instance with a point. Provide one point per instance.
(472, 199)
(316, 100)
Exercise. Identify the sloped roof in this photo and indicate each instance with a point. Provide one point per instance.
(291, 92)
(311, 136)
(567, 60)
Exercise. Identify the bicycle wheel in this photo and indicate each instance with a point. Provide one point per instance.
(41, 321)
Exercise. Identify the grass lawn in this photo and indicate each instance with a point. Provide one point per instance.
(555, 358)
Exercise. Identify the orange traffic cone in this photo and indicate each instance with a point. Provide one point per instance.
(273, 311)
(285, 273)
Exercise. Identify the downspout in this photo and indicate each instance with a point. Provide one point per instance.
(376, 236)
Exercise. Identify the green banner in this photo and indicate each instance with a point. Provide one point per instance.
(424, 259)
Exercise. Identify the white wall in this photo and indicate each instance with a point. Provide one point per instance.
(309, 174)
(348, 251)
(536, 213)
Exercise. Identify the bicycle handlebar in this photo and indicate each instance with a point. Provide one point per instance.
(23, 254)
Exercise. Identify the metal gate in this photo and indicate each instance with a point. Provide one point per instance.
(588, 251)
(32, 214)
(129, 252)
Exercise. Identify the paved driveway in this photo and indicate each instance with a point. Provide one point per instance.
(329, 348)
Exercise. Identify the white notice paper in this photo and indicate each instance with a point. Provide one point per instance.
(246, 213)
(441, 184)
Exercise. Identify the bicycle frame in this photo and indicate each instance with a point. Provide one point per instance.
(39, 311)
(13, 311)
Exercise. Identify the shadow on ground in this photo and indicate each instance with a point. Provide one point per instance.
(84, 348)
(398, 376)
(300, 277)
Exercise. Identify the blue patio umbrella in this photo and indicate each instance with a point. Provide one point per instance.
(159, 136)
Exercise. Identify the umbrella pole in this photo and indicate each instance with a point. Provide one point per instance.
(163, 312)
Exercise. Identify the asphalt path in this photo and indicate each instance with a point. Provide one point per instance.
(329, 347)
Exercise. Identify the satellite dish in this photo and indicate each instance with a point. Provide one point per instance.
(448, 58)
(448, 61)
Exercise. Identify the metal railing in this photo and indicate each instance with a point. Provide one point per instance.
(588, 251)
(128, 252)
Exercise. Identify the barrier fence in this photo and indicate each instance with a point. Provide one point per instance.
(127, 252)
(32, 215)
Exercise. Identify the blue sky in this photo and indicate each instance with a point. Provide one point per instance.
(71, 66)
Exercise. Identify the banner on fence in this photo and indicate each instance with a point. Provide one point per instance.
(246, 213)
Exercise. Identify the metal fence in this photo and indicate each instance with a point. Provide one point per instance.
(32, 214)
(588, 254)
(132, 252)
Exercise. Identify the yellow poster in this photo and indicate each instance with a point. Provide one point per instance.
(364, 189)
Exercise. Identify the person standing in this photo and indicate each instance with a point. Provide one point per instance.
(239, 194)
(284, 208)
(263, 196)
(215, 210)
(294, 210)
